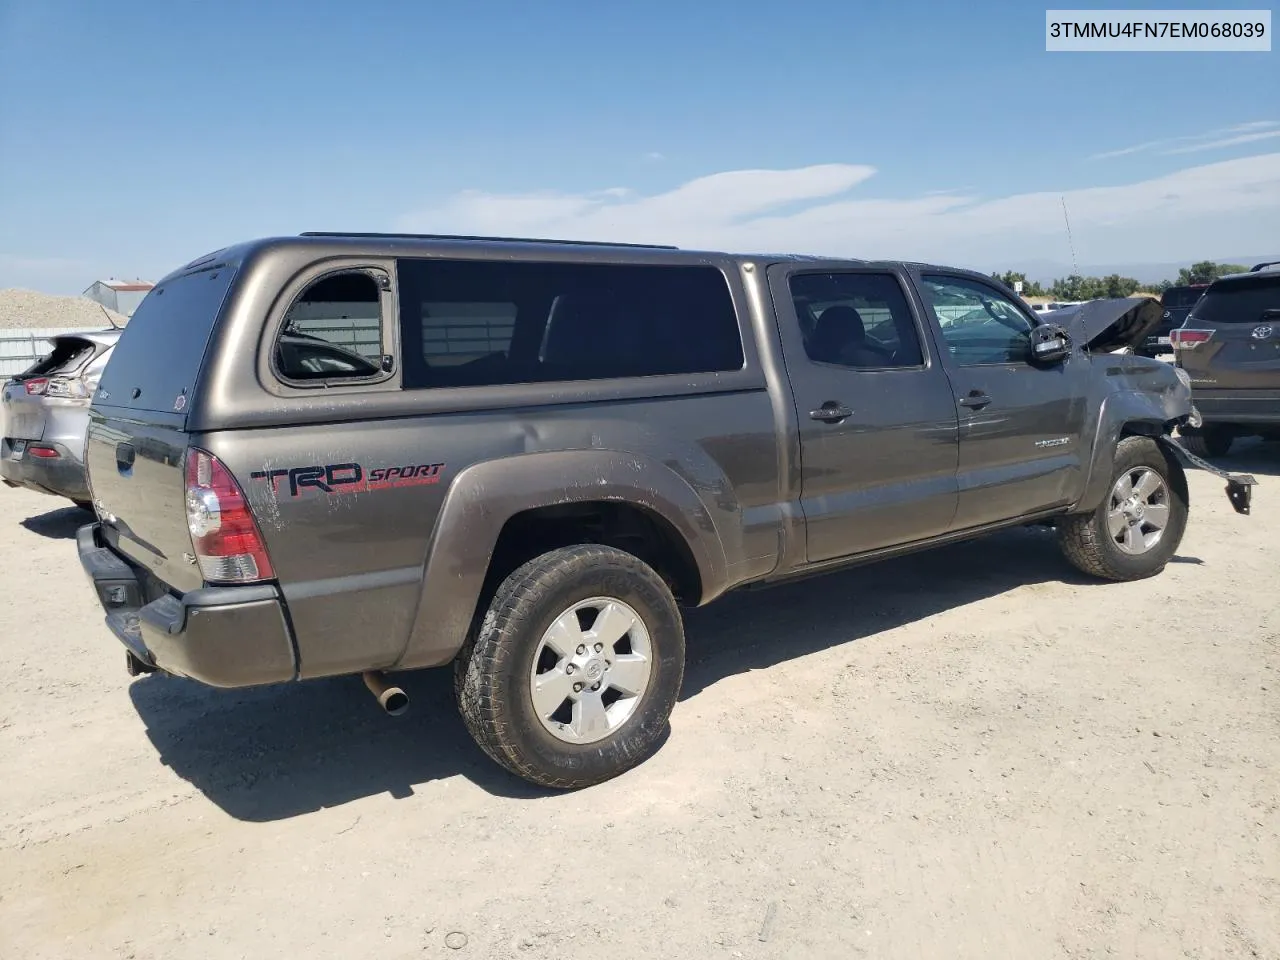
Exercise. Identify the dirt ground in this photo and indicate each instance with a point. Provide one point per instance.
(967, 753)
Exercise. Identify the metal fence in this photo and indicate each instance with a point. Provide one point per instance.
(20, 347)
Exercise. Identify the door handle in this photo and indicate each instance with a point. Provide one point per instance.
(975, 401)
(831, 412)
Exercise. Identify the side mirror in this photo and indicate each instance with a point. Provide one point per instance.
(1049, 344)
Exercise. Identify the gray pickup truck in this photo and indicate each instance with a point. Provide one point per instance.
(356, 454)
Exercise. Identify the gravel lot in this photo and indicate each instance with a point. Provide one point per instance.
(968, 753)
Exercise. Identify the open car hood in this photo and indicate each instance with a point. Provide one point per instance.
(1105, 325)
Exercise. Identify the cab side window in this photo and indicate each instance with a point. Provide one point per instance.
(333, 330)
(857, 320)
(979, 324)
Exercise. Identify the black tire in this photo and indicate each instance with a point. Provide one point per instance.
(1085, 540)
(1207, 442)
(493, 672)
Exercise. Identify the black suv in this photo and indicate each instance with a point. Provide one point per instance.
(1230, 347)
(1176, 303)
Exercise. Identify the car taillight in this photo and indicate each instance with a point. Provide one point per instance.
(45, 453)
(65, 387)
(37, 386)
(1189, 339)
(228, 546)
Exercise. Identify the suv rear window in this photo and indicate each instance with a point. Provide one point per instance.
(66, 357)
(486, 323)
(1181, 296)
(1242, 300)
(160, 352)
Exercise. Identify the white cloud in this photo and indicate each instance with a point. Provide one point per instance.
(1195, 212)
(1209, 140)
(654, 156)
(1227, 142)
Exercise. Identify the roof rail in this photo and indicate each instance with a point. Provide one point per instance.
(450, 236)
(1262, 266)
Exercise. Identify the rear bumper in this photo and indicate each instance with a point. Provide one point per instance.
(1259, 410)
(222, 636)
(61, 476)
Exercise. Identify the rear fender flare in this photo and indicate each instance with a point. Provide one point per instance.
(484, 496)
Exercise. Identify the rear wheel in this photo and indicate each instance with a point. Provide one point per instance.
(1139, 524)
(1207, 441)
(575, 669)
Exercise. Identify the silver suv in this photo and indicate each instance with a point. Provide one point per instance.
(44, 412)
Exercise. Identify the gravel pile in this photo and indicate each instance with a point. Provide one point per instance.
(35, 311)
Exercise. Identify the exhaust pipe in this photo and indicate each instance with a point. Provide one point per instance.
(393, 700)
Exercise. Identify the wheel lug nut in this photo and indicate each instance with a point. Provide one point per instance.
(608, 664)
(577, 688)
(570, 669)
(581, 649)
(595, 686)
(599, 647)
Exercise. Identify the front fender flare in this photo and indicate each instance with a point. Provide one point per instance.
(484, 496)
(1132, 411)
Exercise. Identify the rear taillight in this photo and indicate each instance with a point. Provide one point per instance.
(1189, 339)
(43, 452)
(37, 386)
(66, 387)
(228, 546)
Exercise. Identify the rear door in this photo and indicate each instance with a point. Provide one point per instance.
(136, 437)
(1238, 345)
(876, 413)
(1020, 425)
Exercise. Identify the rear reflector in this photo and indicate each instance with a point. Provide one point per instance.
(45, 453)
(37, 386)
(1189, 339)
(228, 546)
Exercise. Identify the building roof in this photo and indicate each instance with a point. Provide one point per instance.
(126, 286)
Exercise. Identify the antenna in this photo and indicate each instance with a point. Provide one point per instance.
(106, 313)
(1075, 267)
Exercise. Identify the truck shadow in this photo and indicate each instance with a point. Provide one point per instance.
(58, 524)
(277, 752)
(758, 629)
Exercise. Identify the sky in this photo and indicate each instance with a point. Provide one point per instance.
(135, 136)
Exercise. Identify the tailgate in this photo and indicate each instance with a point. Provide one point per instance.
(21, 414)
(136, 475)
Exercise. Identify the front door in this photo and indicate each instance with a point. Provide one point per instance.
(876, 412)
(1020, 425)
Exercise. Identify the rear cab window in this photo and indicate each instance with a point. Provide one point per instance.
(158, 357)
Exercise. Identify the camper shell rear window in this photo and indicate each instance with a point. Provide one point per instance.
(159, 354)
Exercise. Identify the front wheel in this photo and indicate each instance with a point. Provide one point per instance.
(575, 669)
(1139, 524)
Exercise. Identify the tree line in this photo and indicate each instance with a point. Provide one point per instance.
(1076, 287)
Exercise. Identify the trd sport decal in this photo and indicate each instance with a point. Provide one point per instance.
(334, 478)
